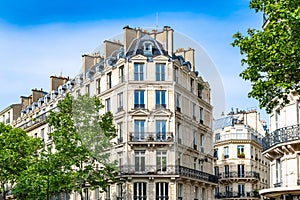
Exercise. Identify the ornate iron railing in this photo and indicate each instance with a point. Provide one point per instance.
(247, 174)
(281, 135)
(151, 137)
(167, 170)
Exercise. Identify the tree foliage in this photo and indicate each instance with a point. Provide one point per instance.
(81, 137)
(272, 55)
(17, 151)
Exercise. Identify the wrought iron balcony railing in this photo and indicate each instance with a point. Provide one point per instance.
(151, 137)
(167, 170)
(245, 195)
(247, 174)
(281, 135)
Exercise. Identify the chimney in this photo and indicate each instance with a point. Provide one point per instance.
(188, 55)
(166, 38)
(129, 35)
(56, 81)
(25, 101)
(110, 47)
(36, 94)
(89, 60)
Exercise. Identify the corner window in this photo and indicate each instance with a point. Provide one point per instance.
(120, 101)
(178, 102)
(98, 86)
(121, 74)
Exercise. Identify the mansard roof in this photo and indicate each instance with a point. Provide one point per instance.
(137, 46)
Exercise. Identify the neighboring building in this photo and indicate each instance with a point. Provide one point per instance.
(162, 111)
(282, 147)
(241, 168)
(11, 113)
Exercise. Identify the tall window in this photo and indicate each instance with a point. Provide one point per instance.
(195, 139)
(107, 192)
(161, 161)
(120, 132)
(192, 85)
(203, 193)
(87, 89)
(160, 72)
(201, 115)
(241, 190)
(107, 105)
(120, 101)
(240, 151)
(194, 111)
(226, 170)
(178, 131)
(202, 143)
(180, 190)
(216, 171)
(98, 86)
(278, 171)
(121, 74)
(108, 77)
(226, 152)
(43, 134)
(139, 191)
(195, 163)
(161, 130)
(178, 102)
(176, 74)
(200, 88)
(119, 191)
(162, 191)
(97, 194)
(196, 192)
(139, 99)
(86, 194)
(139, 161)
(138, 72)
(139, 130)
(216, 153)
(241, 172)
(160, 99)
(120, 159)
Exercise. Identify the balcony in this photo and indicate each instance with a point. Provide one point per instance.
(151, 137)
(246, 195)
(139, 106)
(238, 136)
(246, 175)
(167, 170)
(286, 134)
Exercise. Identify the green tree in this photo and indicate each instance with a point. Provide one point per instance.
(17, 152)
(81, 137)
(272, 55)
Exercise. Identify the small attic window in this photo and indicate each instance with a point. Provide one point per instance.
(148, 48)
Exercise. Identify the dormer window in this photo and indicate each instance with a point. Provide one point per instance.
(148, 48)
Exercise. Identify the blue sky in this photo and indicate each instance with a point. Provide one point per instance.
(43, 38)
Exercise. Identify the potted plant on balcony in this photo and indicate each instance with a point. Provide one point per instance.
(240, 154)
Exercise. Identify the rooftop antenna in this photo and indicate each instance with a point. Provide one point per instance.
(156, 21)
